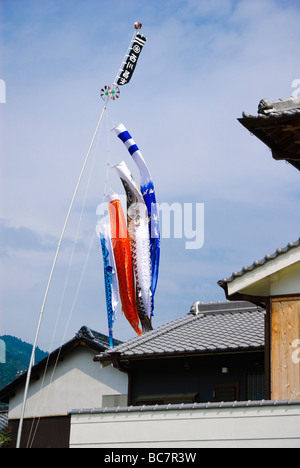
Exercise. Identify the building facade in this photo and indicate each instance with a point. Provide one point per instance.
(68, 378)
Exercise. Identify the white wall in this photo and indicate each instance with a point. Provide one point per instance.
(77, 382)
(288, 281)
(276, 276)
(239, 427)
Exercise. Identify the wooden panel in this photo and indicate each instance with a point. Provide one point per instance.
(285, 335)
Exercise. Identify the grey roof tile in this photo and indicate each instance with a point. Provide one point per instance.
(277, 126)
(95, 337)
(189, 406)
(277, 108)
(219, 329)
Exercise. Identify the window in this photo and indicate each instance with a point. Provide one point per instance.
(255, 386)
(226, 392)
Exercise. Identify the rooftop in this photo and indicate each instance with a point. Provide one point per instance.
(278, 126)
(188, 406)
(94, 338)
(291, 246)
(85, 336)
(208, 327)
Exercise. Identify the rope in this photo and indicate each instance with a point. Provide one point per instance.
(50, 279)
(108, 164)
(54, 265)
(61, 303)
(29, 444)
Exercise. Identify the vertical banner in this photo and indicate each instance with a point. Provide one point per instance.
(129, 65)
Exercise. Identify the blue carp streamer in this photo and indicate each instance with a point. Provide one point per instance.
(148, 192)
(110, 276)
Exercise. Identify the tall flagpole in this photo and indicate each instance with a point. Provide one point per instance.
(107, 93)
(50, 280)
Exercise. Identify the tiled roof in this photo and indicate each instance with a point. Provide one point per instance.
(208, 327)
(277, 124)
(277, 108)
(258, 263)
(188, 406)
(94, 337)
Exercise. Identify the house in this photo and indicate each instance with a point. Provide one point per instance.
(278, 126)
(214, 353)
(275, 282)
(199, 382)
(67, 378)
(195, 382)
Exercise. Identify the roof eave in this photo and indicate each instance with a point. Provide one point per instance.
(259, 127)
(106, 360)
(260, 270)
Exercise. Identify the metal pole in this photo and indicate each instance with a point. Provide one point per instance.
(50, 279)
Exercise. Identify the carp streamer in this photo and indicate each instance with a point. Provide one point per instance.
(148, 192)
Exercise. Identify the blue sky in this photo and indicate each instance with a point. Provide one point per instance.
(204, 63)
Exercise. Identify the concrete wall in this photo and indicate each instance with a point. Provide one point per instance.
(77, 382)
(218, 426)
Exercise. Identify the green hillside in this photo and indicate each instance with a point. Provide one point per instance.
(16, 358)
